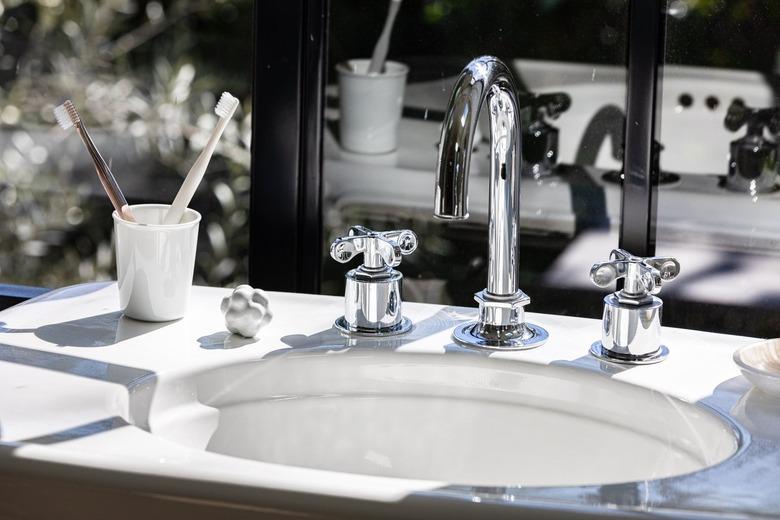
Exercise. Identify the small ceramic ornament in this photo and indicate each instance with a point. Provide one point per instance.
(246, 311)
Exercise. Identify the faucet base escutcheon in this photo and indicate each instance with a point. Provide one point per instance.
(524, 337)
(501, 324)
(344, 327)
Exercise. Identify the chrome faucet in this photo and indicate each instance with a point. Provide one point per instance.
(372, 299)
(631, 326)
(501, 323)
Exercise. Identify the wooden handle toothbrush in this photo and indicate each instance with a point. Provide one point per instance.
(67, 116)
(225, 109)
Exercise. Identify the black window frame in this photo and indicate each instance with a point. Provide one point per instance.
(285, 210)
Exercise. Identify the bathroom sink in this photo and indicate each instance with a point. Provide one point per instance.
(457, 418)
(306, 421)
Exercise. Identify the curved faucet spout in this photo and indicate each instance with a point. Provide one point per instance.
(486, 80)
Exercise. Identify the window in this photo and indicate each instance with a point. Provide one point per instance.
(572, 91)
(145, 76)
(717, 200)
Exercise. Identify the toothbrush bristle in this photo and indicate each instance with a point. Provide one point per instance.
(66, 115)
(226, 106)
(62, 117)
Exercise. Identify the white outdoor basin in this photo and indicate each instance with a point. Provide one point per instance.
(457, 418)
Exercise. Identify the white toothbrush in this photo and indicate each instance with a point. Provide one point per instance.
(225, 109)
(383, 43)
(67, 116)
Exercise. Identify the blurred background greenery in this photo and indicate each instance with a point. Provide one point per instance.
(145, 76)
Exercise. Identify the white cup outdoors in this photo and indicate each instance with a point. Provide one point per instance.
(155, 262)
(370, 106)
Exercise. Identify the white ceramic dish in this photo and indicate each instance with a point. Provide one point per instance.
(760, 364)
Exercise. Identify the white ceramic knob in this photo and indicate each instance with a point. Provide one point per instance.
(246, 311)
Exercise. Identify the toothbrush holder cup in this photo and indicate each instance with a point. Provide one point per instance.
(370, 106)
(155, 262)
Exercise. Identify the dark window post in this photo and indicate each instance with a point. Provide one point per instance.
(646, 40)
(288, 82)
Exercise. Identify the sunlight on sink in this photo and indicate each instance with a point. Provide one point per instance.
(459, 418)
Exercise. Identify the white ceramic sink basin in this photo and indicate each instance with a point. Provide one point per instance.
(457, 418)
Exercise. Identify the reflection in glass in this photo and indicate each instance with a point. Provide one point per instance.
(719, 130)
(568, 59)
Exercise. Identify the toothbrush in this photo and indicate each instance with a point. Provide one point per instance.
(67, 116)
(225, 109)
(382, 44)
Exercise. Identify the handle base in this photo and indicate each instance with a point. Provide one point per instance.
(598, 350)
(351, 330)
(630, 334)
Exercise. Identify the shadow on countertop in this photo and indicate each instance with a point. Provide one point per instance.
(101, 330)
(79, 367)
(331, 338)
(224, 340)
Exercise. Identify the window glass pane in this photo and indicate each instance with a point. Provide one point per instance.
(569, 60)
(717, 206)
(145, 77)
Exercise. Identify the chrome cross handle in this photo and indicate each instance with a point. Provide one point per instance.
(372, 298)
(631, 326)
(643, 275)
(380, 248)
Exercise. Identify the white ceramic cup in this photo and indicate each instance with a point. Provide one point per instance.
(370, 106)
(155, 262)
